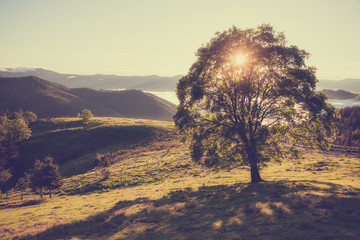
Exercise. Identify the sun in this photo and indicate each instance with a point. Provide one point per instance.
(240, 59)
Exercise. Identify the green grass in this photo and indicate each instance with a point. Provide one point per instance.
(74, 147)
(156, 192)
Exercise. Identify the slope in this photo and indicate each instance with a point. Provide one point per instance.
(74, 147)
(156, 192)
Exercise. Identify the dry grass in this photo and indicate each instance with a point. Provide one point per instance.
(156, 192)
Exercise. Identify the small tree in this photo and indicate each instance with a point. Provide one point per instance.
(29, 117)
(86, 116)
(36, 179)
(46, 175)
(103, 162)
(23, 184)
(5, 176)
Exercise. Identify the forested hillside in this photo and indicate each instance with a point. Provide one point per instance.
(349, 127)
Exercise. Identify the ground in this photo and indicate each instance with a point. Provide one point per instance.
(156, 192)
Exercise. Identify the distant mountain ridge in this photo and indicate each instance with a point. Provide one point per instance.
(146, 83)
(48, 99)
(98, 81)
(351, 85)
(340, 94)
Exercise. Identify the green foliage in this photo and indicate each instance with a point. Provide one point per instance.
(103, 160)
(86, 116)
(23, 184)
(349, 127)
(19, 130)
(103, 163)
(30, 117)
(254, 111)
(12, 131)
(5, 176)
(46, 175)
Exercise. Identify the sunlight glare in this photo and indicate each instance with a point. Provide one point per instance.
(240, 59)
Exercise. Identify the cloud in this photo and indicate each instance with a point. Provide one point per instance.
(16, 69)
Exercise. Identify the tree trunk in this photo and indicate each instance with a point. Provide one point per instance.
(41, 193)
(255, 175)
(253, 159)
(50, 192)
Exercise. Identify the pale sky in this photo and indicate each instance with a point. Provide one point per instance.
(146, 37)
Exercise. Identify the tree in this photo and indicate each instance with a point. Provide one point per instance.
(46, 175)
(349, 126)
(5, 176)
(12, 131)
(29, 117)
(23, 184)
(86, 116)
(250, 98)
(103, 163)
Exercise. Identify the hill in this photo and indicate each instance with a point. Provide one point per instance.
(156, 192)
(98, 81)
(74, 147)
(340, 94)
(352, 85)
(48, 100)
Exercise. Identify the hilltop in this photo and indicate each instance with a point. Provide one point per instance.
(156, 192)
(48, 100)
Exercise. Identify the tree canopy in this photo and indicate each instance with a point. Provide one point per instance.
(46, 175)
(349, 126)
(250, 98)
(86, 116)
(12, 131)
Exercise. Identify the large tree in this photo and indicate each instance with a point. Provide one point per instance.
(249, 98)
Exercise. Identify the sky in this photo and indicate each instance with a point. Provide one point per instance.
(160, 37)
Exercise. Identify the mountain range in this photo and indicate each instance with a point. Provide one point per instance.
(351, 85)
(48, 99)
(146, 83)
(340, 94)
(98, 81)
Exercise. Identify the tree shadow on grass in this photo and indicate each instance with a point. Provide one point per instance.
(18, 204)
(270, 210)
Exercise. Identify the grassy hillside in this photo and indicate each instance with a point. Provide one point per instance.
(74, 147)
(47, 99)
(156, 192)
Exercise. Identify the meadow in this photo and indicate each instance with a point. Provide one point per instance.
(155, 191)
